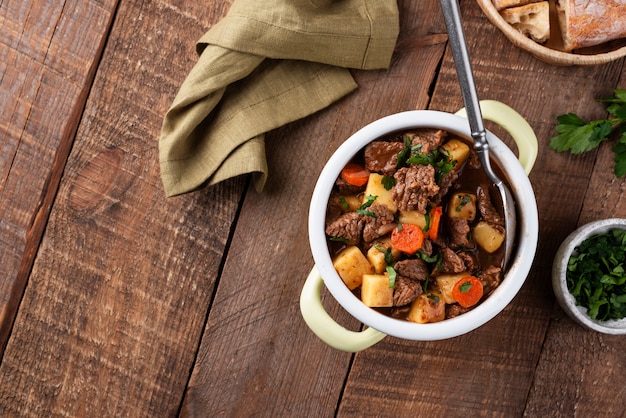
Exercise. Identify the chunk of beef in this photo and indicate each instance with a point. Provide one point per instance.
(344, 188)
(451, 262)
(427, 139)
(455, 310)
(459, 230)
(333, 210)
(414, 187)
(473, 161)
(413, 268)
(348, 227)
(490, 278)
(486, 208)
(470, 260)
(427, 247)
(382, 157)
(405, 291)
(445, 184)
(374, 225)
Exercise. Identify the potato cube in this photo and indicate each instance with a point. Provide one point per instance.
(412, 217)
(458, 151)
(462, 206)
(351, 265)
(375, 291)
(488, 237)
(351, 203)
(383, 244)
(446, 282)
(428, 307)
(376, 188)
(376, 257)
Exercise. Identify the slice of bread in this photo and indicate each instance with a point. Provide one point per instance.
(532, 20)
(591, 22)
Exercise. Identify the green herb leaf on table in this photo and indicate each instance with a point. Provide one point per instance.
(577, 136)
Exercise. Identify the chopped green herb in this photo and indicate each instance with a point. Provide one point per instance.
(388, 182)
(392, 276)
(434, 298)
(362, 210)
(465, 287)
(596, 275)
(463, 200)
(439, 160)
(577, 136)
(404, 154)
(344, 203)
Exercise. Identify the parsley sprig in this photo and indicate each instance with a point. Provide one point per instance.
(578, 136)
(596, 275)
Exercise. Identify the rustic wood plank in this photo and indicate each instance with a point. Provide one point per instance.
(590, 367)
(116, 303)
(489, 372)
(45, 75)
(257, 356)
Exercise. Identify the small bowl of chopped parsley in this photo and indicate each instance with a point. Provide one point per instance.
(589, 275)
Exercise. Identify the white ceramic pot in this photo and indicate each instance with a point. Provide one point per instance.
(323, 273)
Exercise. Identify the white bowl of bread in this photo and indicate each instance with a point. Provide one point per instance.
(563, 32)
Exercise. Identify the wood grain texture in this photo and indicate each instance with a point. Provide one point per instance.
(111, 319)
(590, 368)
(138, 305)
(45, 75)
(257, 356)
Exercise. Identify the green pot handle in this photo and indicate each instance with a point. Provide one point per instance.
(521, 132)
(325, 327)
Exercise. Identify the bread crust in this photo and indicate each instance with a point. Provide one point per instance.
(585, 23)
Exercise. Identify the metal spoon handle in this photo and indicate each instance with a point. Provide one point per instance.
(452, 17)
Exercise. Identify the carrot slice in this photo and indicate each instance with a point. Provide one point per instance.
(435, 218)
(355, 174)
(407, 238)
(468, 291)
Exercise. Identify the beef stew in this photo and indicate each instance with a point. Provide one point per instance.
(412, 227)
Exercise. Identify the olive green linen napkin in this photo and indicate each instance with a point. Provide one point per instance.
(267, 63)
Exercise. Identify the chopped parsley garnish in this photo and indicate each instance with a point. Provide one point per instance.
(596, 275)
(362, 210)
(344, 203)
(388, 182)
(392, 276)
(465, 287)
(387, 253)
(434, 298)
(463, 200)
(440, 160)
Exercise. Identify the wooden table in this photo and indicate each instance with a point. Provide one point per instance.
(116, 301)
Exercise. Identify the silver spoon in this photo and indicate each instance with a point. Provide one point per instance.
(452, 17)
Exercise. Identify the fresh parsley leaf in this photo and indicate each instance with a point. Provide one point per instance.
(596, 275)
(362, 210)
(392, 276)
(577, 135)
(388, 182)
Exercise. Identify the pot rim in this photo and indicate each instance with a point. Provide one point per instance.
(519, 266)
